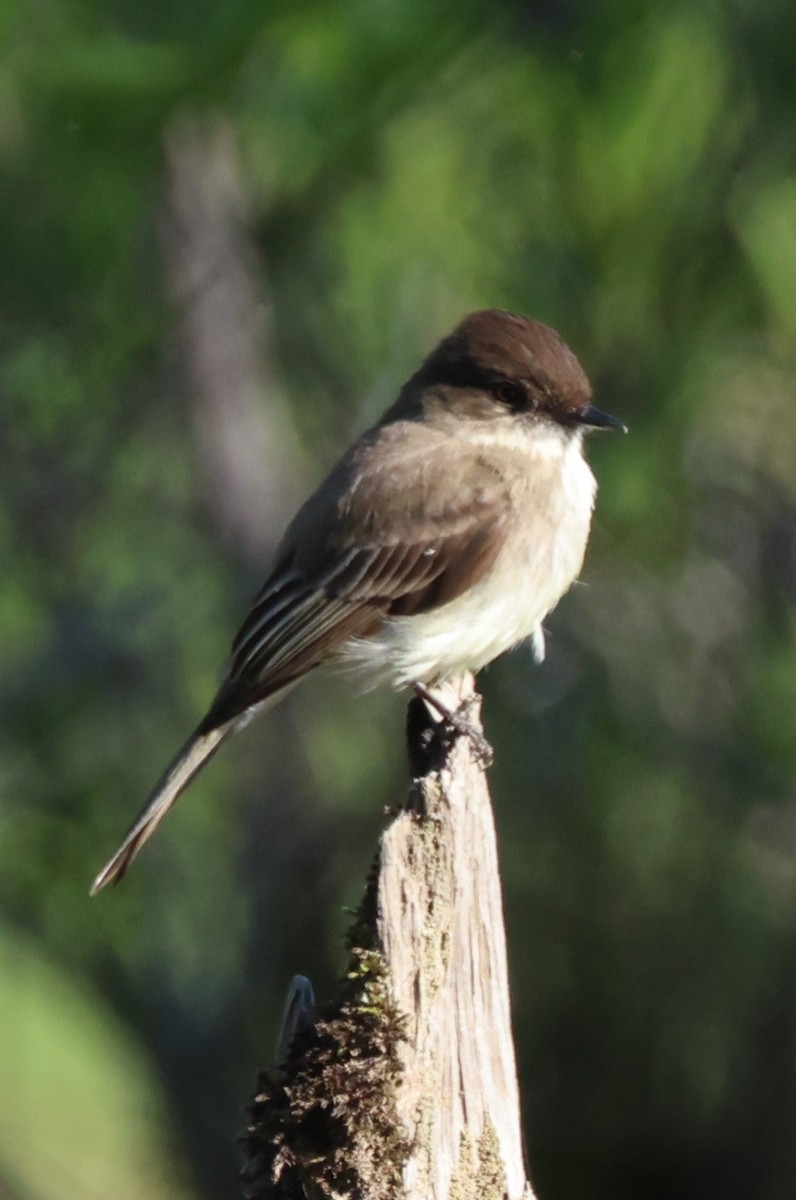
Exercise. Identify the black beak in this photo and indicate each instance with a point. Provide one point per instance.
(595, 418)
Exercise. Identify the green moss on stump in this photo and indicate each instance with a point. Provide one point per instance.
(328, 1127)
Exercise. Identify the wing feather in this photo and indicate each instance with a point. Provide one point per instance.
(316, 599)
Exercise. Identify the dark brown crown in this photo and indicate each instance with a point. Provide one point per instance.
(493, 349)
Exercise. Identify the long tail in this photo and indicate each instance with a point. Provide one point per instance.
(195, 753)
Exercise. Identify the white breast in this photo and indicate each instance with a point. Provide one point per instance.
(542, 555)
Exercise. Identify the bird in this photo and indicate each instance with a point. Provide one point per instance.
(443, 537)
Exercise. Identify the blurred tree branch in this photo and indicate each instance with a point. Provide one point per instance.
(250, 449)
(405, 1088)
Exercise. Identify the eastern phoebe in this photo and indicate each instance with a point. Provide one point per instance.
(443, 537)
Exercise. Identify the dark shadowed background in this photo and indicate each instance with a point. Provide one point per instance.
(228, 231)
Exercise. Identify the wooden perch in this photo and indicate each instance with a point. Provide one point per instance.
(405, 1088)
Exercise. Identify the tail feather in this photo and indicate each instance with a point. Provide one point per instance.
(193, 756)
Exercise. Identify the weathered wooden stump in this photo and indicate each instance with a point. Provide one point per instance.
(405, 1087)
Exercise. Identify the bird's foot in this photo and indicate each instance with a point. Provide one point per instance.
(459, 722)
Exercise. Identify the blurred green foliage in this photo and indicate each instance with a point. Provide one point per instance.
(623, 171)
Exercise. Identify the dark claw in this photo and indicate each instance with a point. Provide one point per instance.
(459, 721)
(460, 724)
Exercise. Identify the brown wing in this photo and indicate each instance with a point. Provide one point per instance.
(432, 548)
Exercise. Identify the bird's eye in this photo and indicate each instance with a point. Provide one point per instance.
(511, 394)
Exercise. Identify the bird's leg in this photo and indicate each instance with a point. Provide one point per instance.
(458, 720)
